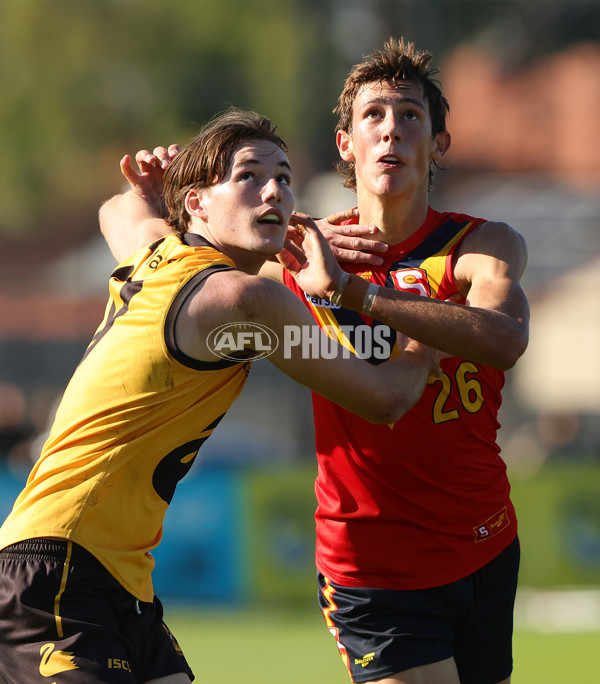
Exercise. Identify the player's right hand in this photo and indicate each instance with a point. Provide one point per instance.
(349, 241)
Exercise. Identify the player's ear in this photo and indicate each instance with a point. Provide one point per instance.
(195, 203)
(441, 144)
(343, 140)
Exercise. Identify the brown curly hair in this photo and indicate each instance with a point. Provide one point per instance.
(398, 60)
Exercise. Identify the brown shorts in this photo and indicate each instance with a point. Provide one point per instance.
(64, 618)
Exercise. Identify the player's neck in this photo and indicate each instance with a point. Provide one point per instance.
(245, 259)
(397, 218)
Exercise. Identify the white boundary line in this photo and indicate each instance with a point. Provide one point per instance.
(559, 610)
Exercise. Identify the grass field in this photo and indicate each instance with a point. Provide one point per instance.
(271, 648)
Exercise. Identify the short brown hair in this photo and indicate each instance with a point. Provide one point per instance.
(205, 160)
(397, 61)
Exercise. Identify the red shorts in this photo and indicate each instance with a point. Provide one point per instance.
(62, 613)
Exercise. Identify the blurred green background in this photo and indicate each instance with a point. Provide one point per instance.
(85, 81)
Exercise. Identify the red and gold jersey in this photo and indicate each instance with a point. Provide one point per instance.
(424, 501)
(131, 420)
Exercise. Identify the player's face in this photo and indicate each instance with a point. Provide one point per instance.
(248, 212)
(390, 141)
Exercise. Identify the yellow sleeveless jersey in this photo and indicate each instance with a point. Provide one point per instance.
(131, 420)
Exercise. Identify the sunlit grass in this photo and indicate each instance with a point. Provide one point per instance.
(258, 647)
(269, 647)
(556, 658)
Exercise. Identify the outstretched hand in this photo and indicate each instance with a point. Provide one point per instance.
(307, 256)
(350, 242)
(148, 183)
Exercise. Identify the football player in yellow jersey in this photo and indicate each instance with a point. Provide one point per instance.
(76, 597)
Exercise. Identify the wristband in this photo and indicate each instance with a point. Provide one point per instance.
(369, 300)
(336, 297)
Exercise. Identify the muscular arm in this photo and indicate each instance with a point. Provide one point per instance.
(380, 394)
(492, 328)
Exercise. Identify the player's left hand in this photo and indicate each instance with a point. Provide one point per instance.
(307, 256)
(148, 183)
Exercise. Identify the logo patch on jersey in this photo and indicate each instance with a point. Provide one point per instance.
(174, 641)
(413, 280)
(320, 303)
(365, 660)
(492, 526)
(54, 662)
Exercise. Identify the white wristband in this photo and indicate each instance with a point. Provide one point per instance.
(369, 300)
(336, 297)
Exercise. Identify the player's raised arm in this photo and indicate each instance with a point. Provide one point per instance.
(379, 393)
(134, 218)
(493, 326)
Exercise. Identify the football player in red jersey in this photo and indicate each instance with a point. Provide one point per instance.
(417, 546)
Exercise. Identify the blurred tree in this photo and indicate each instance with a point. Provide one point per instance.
(71, 85)
(83, 82)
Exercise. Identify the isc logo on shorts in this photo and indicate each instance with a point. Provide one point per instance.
(118, 664)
